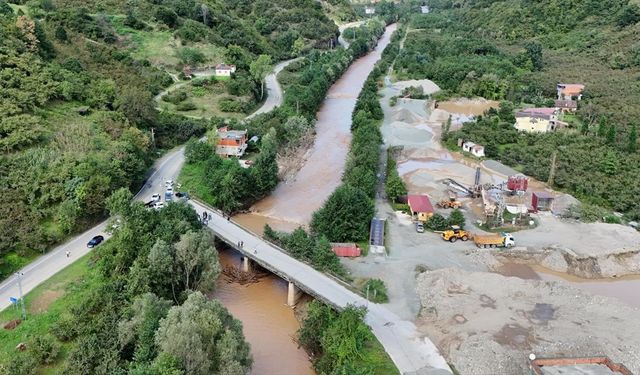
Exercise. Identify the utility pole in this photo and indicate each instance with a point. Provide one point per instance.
(24, 312)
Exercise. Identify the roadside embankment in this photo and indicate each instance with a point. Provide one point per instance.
(488, 324)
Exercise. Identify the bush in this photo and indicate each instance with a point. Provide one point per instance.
(229, 104)
(175, 97)
(456, 218)
(376, 291)
(437, 222)
(186, 106)
(44, 348)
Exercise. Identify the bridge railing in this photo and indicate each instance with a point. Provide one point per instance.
(330, 275)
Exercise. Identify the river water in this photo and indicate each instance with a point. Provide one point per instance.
(626, 289)
(293, 202)
(269, 325)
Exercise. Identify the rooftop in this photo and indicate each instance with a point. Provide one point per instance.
(420, 203)
(543, 195)
(544, 111)
(566, 104)
(224, 66)
(571, 88)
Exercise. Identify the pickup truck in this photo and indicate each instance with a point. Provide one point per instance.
(494, 240)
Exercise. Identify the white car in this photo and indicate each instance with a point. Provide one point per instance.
(170, 190)
(155, 197)
(168, 183)
(158, 205)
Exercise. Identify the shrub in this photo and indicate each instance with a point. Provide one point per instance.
(376, 291)
(437, 222)
(44, 348)
(186, 106)
(175, 97)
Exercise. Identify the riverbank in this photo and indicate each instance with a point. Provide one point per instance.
(323, 168)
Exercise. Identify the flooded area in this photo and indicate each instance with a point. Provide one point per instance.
(296, 200)
(626, 288)
(269, 325)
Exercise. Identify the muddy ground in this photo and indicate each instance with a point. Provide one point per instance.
(488, 324)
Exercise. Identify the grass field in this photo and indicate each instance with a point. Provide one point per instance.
(206, 102)
(45, 305)
(191, 180)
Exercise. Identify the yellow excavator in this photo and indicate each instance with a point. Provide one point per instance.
(455, 233)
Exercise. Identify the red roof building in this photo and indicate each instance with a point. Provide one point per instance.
(346, 249)
(420, 207)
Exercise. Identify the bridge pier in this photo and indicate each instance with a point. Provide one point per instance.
(246, 264)
(293, 294)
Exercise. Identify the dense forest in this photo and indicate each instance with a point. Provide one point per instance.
(77, 88)
(140, 306)
(517, 51)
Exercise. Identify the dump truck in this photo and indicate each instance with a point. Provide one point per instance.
(494, 240)
(455, 233)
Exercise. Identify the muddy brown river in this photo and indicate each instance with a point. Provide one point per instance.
(293, 202)
(268, 324)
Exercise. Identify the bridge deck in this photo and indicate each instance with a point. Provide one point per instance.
(400, 338)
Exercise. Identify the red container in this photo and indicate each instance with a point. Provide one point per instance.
(346, 249)
(518, 183)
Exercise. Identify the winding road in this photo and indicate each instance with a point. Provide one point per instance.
(166, 168)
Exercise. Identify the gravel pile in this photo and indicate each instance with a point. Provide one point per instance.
(487, 324)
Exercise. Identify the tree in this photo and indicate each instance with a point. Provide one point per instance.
(259, 70)
(61, 34)
(611, 134)
(119, 202)
(633, 139)
(456, 218)
(138, 329)
(534, 50)
(204, 338)
(395, 187)
(298, 46)
(137, 105)
(602, 127)
(344, 340)
(265, 169)
(345, 215)
(190, 56)
(437, 222)
(629, 15)
(196, 261)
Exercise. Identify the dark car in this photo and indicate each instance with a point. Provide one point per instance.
(182, 194)
(95, 241)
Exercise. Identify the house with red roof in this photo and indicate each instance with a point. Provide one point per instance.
(420, 206)
(569, 91)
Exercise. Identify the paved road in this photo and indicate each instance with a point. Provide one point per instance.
(342, 28)
(165, 168)
(400, 338)
(274, 91)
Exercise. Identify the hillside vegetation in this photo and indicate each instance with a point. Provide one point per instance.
(77, 88)
(517, 51)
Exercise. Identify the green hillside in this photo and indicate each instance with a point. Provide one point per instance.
(77, 88)
(517, 51)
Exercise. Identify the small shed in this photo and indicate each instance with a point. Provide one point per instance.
(541, 201)
(518, 182)
(346, 249)
(420, 206)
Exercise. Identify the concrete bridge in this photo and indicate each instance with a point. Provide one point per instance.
(411, 353)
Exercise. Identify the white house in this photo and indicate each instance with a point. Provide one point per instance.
(224, 70)
(369, 10)
(537, 120)
(424, 9)
(475, 149)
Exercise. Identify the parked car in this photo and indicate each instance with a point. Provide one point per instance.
(182, 194)
(419, 227)
(155, 197)
(95, 241)
(168, 183)
(159, 205)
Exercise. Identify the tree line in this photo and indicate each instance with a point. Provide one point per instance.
(141, 307)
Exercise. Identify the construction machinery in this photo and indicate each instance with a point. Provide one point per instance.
(452, 202)
(455, 233)
(494, 240)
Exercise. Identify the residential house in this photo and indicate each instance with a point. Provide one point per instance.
(424, 9)
(537, 120)
(569, 91)
(565, 106)
(369, 10)
(474, 149)
(420, 206)
(231, 142)
(224, 70)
